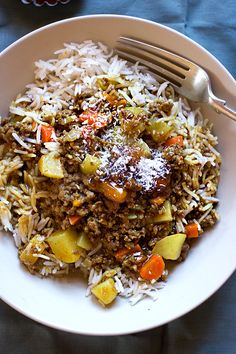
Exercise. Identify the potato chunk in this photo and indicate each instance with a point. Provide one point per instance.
(64, 245)
(135, 110)
(164, 217)
(105, 292)
(90, 164)
(132, 121)
(84, 242)
(159, 130)
(50, 165)
(170, 246)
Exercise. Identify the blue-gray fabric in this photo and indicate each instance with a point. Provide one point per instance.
(211, 328)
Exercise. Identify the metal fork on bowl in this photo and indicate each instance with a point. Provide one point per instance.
(188, 79)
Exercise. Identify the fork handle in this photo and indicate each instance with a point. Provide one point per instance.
(220, 107)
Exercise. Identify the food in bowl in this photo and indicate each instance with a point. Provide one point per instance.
(106, 171)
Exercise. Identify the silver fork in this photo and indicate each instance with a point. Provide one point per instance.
(188, 79)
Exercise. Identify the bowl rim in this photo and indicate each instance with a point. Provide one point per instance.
(230, 77)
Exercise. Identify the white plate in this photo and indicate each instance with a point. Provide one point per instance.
(62, 303)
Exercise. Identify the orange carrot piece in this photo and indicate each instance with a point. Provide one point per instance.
(112, 192)
(136, 248)
(122, 252)
(153, 268)
(192, 230)
(74, 219)
(89, 116)
(46, 132)
(93, 119)
(176, 140)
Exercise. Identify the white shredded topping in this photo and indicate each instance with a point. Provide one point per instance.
(128, 99)
(39, 255)
(147, 170)
(52, 146)
(17, 239)
(38, 134)
(20, 141)
(162, 88)
(31, 141)
(205, 214)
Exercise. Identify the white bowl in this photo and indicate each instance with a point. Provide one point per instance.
(62, 303)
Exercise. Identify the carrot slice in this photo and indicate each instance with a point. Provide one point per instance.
(192, 230)
(176, 140)
(93, 119)
(112, 192)
(153, 268)
(74, 219)
(122, 252)
(89, 116)
(47, 132)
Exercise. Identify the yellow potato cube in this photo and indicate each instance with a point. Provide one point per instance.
(90, 164)
(159, 130)
(63, 244)
(105, 292)
(170, 246)
(164, 217)
(84, 242)
(50, 165)
(133, 124)
(135, 110)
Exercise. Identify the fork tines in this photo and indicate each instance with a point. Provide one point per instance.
(164, 64)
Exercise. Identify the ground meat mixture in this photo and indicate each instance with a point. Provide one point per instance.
(113, 173)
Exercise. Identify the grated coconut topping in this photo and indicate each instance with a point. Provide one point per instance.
(145, 172)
